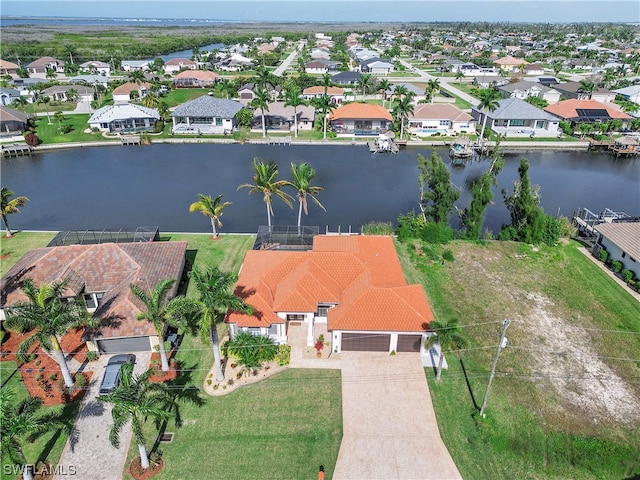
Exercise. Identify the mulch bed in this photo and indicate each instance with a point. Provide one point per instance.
(159, 376)
(137, 472)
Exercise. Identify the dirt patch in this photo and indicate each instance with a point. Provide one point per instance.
(139, 473)
(158, 375)
(235, 378)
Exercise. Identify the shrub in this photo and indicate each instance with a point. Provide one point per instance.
(627, 275)
(158, 127)
(552, 230)
(81, 380)
(283, 357)
(378, 228)
(64, 129)
(616, 266)
(437, 233)
(603, 255)
(393, 352)
(319, 345)
(209, 382)
(32, 139)
(53, 377)
(409, 226)
(92, 356)
(448, 255)
(39, 378)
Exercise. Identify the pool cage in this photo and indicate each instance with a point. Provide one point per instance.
(107, 235)
(285, 237)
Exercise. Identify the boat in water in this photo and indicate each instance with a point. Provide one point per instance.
(384, 144)
(461, 148)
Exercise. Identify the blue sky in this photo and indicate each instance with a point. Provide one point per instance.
(338, 10)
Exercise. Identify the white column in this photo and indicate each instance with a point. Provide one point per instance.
(309, 320)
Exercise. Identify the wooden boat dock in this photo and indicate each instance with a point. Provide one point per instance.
(279, 140)
(16, 149)
(586, 221)
(130, 140)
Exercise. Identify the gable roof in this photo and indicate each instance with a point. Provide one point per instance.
(129, 87)
(515, 108)
(179, 62)
(626, 235)
(106, 267)
(10, 114)
(440, 111)
(208, 106)
(574, 87)
(510, 60)
(44, 62)
(360, 274)
(358, 110)
(572, 109)
(6, 65)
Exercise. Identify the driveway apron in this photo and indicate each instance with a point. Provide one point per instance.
(390, 428)
(88, 451)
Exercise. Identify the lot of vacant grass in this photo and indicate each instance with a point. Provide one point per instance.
(11, 249)
(564, 401)
(50, 133)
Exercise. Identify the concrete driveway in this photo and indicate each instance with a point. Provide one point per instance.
(390, 429)
(88, 452)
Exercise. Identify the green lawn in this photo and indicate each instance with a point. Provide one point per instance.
(19, 244)
(50, 133)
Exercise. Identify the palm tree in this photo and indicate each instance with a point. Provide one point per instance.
(216, 298)
(365, 83)
(489, 102)
(459, 76)
(16, 422)
(225, 86)
(136, 399)
(21, 102)
(49, 316)
(324, 104)
(44, 100)
(383, 87)
(448, 337)
(9, 206)
(136, 76)
(150, 100)
(326, 82)
(293, 99)
(261, 101)
(265, 177)
(59, 117)
(400, 91)
(72, 95)
(432, 87)
(303, 175)
(587, 87)
(402, 110)
(210, 208)
(263, 76)
(161, 312)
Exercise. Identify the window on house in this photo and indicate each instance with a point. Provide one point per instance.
(255, 331)
(273, 329)
(444, 123)
(295, 317)
(218, 122)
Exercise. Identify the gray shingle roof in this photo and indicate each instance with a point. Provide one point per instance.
(514, 108)
(207, 106)
(626, 235)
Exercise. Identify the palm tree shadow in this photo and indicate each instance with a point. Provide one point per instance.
(466, 379)
(65, 418)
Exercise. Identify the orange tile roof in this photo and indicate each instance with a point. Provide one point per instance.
(130, 87)
(360, 274)
(567, 108)
(320, 89)
(198, 74)
(357, 110)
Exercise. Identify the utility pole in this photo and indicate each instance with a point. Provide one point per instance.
(501, 345)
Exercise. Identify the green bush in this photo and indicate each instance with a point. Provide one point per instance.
(552, 230)
(283, 356)
(603, 255)
(92, 356)
(627, 275)
(616, 266)
(440, 233)
(378, 228)
(409, 226)
(448, 255)
(81, 380)
(158, 127)
(64, 129)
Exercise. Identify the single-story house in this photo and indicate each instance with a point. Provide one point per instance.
(517, 118)
(92, 80)
(124, 118)
(630, 93)
(8, 95)
(510, 64)
(12, 122)
(207, 115)
(96, 67)
(336, 94)
(60, 93)
(280, 117)
(375, 66)
(100, 275)
(571, 90)
(621, 240)
(444, 119)
(131, 65)
(486, 81)
(360, 119)
(247, 92)
(8, 68)
(176, 64)
(349, 287)
(525, 89)
(316, 67)
(346, 78)
(534, 69)
(586, 111)
(123, 92)
(195, 79)
(41, 65)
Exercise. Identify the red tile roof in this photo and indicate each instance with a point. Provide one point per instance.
(361, 111)
(130, 87)
(198, 74)
(361, 274)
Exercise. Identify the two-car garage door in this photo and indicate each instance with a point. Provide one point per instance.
(124, 345)
(379, 342)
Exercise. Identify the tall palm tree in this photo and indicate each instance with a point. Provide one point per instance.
(449, 338)
(210, 208)
(459, 76)
(261, 101)
(587, 87)
(326, 82)
(150, 101)
(18, 420)
(383, 87)
(432, 87)
(45, 100)
(365, 83)
(72, 95)
(489, 102)
(215, 299)
(49, 316)
(303, 175)
(59, 117)
(293, 99)
(400, 91)
(225, 86)
(402, 109)
(9, 206)
(136, 76)
(162, 312)
(135, 399)
(324, 105)
(265, 178)
(263, 76)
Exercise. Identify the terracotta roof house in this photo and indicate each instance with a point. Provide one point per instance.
(176, 64)
(586, 111)
(12, 122)
(124, 91)
(571, 90)
(101, 275)
(349, 287)
(517, 118)
(195, 79)
(42, 64)
(622, 241)
(8, 68)
(335, 93)
(206, 114)
(436, 118)
(509, 63)
(280, 117)
(59, 93)
(96, 67)
(124, 118)
(525, 89)
(364, 119)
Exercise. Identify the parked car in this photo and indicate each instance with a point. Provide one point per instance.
(111, 377)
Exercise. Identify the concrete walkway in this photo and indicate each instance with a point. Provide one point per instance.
(88, 451)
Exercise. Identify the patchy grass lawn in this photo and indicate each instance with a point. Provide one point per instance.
(565, 399)
(50, 133)
(11, 249)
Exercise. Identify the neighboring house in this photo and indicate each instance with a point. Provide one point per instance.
(346, 78)
(8, 96)
(316, 68)
(96, 67)
(42, 64)
(100, 275)
(195, 79)
(12, 122)
(444, 119)
(59, 93)
(525, 89)
(247, 92)
(621, 240)
(486, 81)
(124, 118)
(320, 53)
(360, 119)
(375, 66)
(350, 287)
(418, 93)
(122, 94)
(131, 65)
(571, 90)
(631, 93)
(510, 64)
(586, 111)
(517, 118)
(234, 63)
(92, 80)
(534, 69)
(176, 64)
(206, 115)
(280, 117)
(8, 68)
(336, 94)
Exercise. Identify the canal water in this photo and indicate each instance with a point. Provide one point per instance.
(114, 187)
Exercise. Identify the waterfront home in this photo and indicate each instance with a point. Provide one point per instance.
(571, 90)
(195, 79)
(124, 118)
(247, 92)
(99, 276)
(131, 65)
(587, 111)
(9, 95)
(516, 118)
(129, 91)
(205, 115)
(442, 119)
(360, 119)
(510, 64)
(44, 64)
(176, 64)
(621, 240)
(280, 117)
(60, 93)
(12, 122)
(350, 289)
(526, 89)
(8, 68)
(96, 67)
(630, 93)
(92, 80)
(336, 94)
